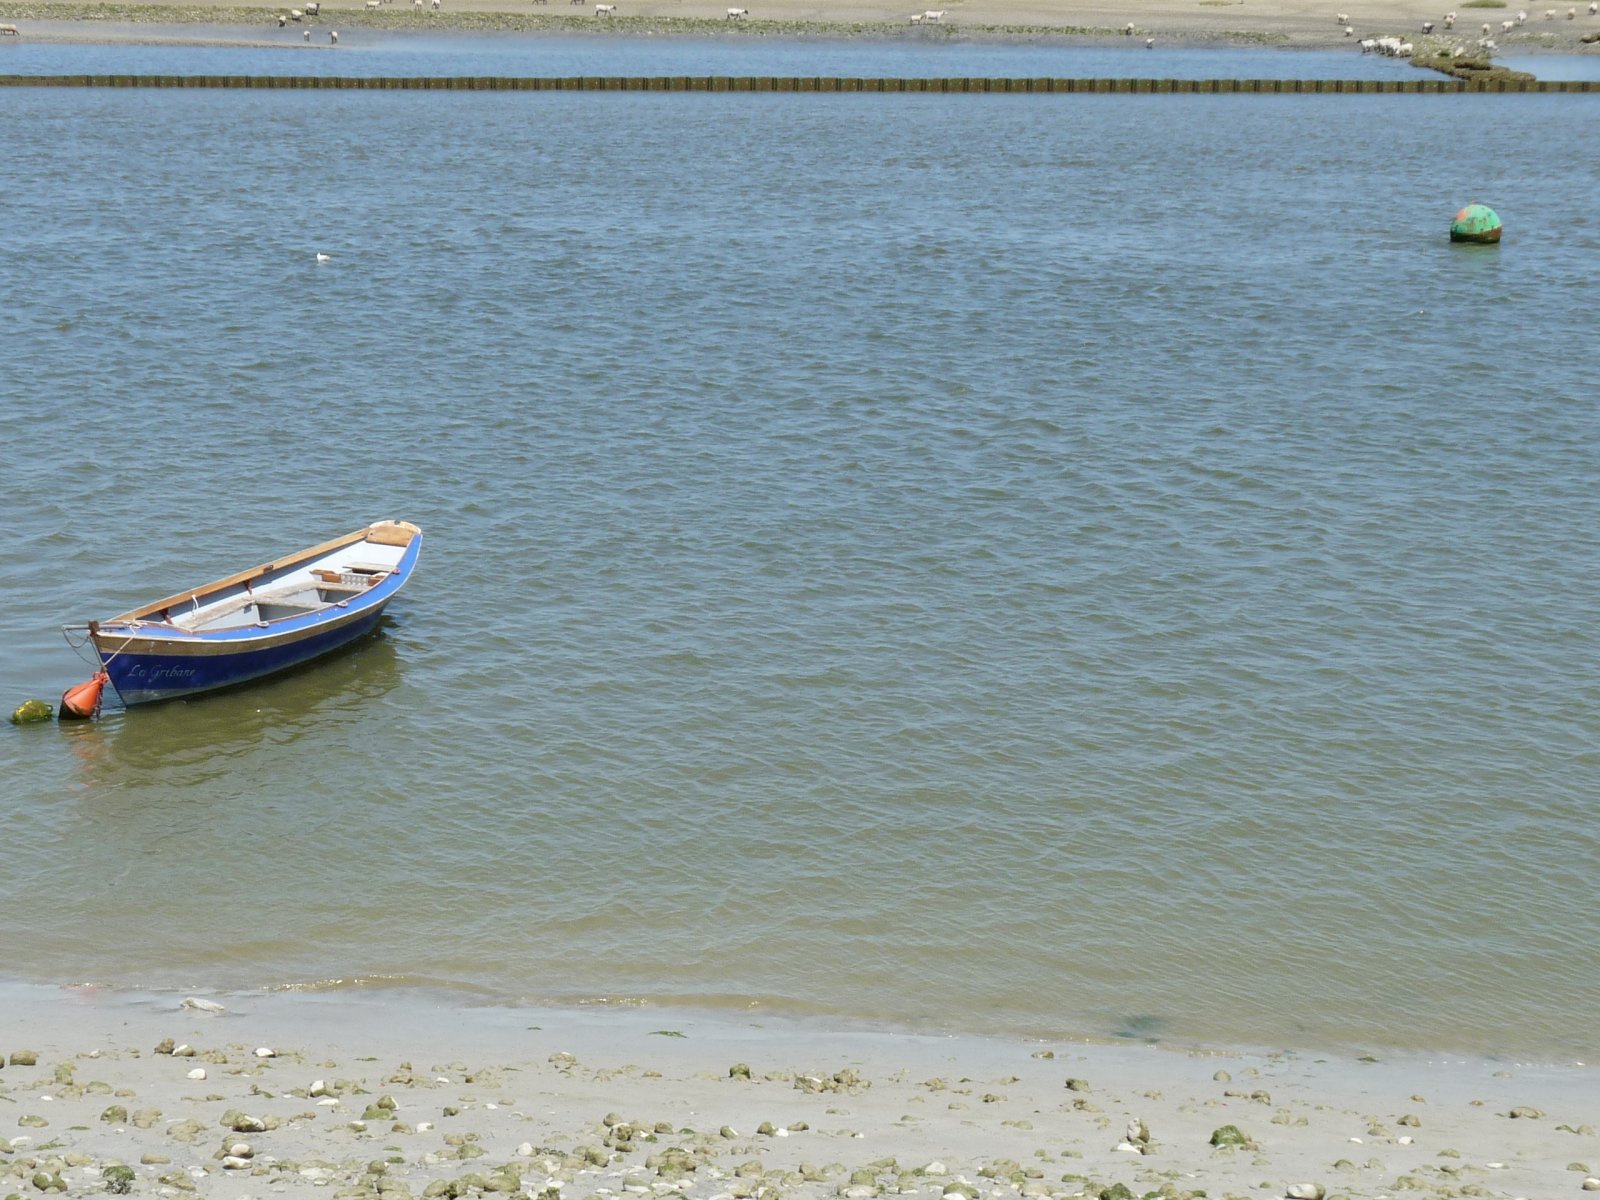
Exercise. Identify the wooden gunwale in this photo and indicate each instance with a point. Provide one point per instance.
(259, 639)
(250, 573)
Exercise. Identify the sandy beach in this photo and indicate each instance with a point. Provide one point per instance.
(361, 1094)
(1292, 23)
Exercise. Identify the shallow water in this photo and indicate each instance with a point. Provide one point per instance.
(367, 53)
(1040, 564)
(1556, 66)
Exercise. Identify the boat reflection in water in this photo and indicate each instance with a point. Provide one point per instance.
(185, 743)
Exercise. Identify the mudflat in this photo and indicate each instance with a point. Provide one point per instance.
(1278, 22)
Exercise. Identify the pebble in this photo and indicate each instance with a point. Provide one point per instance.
(232, 1163)
(198, 1073)
(266, 1052)
(205, 1006)
(1591, 1184)
(1305, 1191)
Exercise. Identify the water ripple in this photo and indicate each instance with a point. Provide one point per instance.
(980, 564)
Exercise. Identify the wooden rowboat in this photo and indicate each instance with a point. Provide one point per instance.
(259, 621)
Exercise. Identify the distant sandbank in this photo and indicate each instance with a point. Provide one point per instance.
(1289, 23)
(368, 1095)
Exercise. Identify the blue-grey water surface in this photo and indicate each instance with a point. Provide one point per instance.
(1043, 564)
(368, 53)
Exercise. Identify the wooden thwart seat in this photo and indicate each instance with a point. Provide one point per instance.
(348, 589)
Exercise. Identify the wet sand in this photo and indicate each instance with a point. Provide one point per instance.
(353, 1093)
(1294, 23)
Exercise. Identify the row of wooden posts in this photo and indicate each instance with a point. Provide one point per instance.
(806, 83)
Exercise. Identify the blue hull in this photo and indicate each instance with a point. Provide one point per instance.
(258, 621)
(145, 678)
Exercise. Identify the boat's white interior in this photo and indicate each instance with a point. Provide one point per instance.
(328, 579)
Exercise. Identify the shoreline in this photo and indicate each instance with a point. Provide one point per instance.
(1285, 24)
(421, 1098)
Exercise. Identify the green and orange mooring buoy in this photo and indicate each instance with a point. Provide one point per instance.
(1477, 223)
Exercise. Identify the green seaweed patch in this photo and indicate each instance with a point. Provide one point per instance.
(666, 1033)
(1484, 4)
(1476, 72)
(1231, 1135)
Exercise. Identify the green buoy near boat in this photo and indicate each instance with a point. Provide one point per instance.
(1476, 223)
(30, 711)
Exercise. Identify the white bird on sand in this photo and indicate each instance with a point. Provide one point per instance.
(1149, 43)
(308, 35)
(321, 257)
(333, 36)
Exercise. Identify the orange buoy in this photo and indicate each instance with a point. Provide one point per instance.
(82, 702)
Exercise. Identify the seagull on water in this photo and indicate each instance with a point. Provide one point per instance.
(321, 257)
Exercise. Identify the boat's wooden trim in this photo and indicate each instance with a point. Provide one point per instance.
(199, 593)
(115, 642)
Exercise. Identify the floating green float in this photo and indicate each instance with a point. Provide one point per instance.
(1476, 223)
(30, 711)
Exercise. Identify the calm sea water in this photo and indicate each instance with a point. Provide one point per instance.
(365, 52)
(1053, 564)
